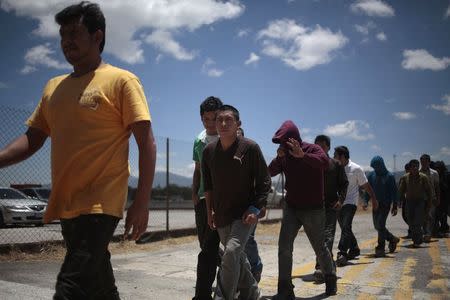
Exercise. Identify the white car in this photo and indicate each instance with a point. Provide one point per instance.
(16, 208)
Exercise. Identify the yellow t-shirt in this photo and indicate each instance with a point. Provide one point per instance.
(87, 119)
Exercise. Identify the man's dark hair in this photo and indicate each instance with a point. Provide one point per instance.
(407, 167)
(231, 108)
(425, 157)
(241, 130)
(413, 162)
(90, 15)
(342, 150)
(210, 104)
(323, 138)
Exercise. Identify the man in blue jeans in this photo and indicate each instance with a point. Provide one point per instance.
(383, 184)
(304, 165)
(348, 246)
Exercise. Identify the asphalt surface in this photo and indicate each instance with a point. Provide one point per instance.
(169, 273)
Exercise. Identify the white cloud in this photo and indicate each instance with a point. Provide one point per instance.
(373, 8)
(300, 47)
(126, 18)
(447, 13)
(243, 32)
(445, 108)
(253, 59)
(381, 36)
(209, 69)
(353, 129)
(445, 151)
(420, 59)
(366, 28)
(403, 115)
(375, 148)
(163, 41)
(3, 85)
(41, 55)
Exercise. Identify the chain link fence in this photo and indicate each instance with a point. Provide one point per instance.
(170, 208)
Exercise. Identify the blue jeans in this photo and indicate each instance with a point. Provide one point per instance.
(86, 272)
(416, 216)
(251, 249)
(234, 273)
(379, 221)
(348, 239)
(314, 224)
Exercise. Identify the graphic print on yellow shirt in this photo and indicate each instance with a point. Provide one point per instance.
(87, 119)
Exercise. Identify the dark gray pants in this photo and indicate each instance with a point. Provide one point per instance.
(313, 222)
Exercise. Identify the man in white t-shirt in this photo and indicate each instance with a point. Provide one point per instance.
(348, 246)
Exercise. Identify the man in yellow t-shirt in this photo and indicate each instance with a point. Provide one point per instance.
(89, 116)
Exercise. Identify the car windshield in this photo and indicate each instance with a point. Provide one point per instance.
(10, 194)
(45, 194)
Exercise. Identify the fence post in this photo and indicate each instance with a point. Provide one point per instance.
(167, 186)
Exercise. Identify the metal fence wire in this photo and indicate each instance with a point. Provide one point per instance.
(170, 208)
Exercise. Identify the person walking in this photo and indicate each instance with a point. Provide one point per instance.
(237, 183)
(304, 165)
(383, 184)
(209, 256)
(89, 116)
(348, 245)
(415, 188)
(335, 183)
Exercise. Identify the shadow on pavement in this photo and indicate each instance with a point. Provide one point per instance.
(321, 296)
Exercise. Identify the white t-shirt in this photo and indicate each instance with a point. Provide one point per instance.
(356, 178)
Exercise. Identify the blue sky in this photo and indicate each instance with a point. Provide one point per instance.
(372, 74)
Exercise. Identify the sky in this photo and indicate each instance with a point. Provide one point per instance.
(374, 75)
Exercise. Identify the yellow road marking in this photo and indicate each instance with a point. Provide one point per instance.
(437, 279)
(404, 290)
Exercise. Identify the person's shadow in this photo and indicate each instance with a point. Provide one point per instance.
(321, 296)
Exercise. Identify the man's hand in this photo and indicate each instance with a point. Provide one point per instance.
(374, 205)
(249, 218)
(195, 198)
(337, 205)
(262, 213)
(136, 220)
(211, 220)
(394, 211)
(296, 150)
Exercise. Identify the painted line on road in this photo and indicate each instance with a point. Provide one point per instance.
(405, 290)
(437, 279)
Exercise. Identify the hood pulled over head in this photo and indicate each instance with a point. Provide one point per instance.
(287, 130)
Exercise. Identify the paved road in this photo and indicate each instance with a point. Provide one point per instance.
(169, 273)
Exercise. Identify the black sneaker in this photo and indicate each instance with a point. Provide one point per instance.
(318, 276)
(393, 244)
(379, 252)
(353, 253)
(341, 260)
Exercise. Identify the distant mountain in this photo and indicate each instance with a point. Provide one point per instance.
(160, 179)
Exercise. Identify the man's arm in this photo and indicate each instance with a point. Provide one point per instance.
(207, 181)
(342, 183)
(437, 189)
(137, 215)
(366, 186)
(22, 147)
(196, 182)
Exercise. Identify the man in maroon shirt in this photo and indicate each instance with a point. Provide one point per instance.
(237, 183)
(303, 165)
